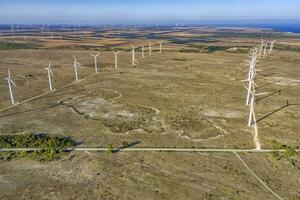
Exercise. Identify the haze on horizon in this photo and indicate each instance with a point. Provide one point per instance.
(146, 11)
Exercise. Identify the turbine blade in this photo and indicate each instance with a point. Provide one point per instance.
(12, 82)
(255, 84)
(51, 73)
(260, 94)
(246, 88)
(245, 80)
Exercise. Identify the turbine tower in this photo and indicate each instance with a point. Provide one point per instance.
(96, 64)
(271, 46)
(10, 84)
(150, 48)
(261, 48)
(133, 56)
(116, 58)
(251, 121)
(160, 46)
(251, 76)
(266, 46)
(143, 51)
(50, 74)
(12, 29)
(76, 64)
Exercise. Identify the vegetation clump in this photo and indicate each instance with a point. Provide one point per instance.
(288, 154)
(12, 46)
(49, 147)
(110, 149)
(125, 144)
(211, 49)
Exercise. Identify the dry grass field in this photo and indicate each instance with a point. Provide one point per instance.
(189, 96)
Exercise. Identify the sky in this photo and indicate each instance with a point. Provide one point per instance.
(145, 11)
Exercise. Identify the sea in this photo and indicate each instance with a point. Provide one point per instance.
(281, 26)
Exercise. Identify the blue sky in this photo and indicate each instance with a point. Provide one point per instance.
(143, 11)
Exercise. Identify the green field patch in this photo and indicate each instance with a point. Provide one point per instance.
(12, 46)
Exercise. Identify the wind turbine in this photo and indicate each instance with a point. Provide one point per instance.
(96, 64)
(12, 29)
(251, 89)
(50, 74)
(160, 46)
(133, 55)
(150, 48)
(251, 121)
(266, 46)
(261, 48)
(271, 46)
(143, 51)
(10, 83)
(116, 58)
(251, 76)
(76, 64)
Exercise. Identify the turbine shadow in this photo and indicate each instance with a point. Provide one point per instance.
(126, 146)
(277, 110)
(31, 110)
(60, 94)
(269, 95)
(261, 76)
(272, 83)
(34, 109)
(265, 70)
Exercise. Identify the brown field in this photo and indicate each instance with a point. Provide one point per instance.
(184, 97)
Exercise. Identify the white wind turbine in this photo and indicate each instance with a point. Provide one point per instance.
(266, 46)
(251, 75)
(76, 64)
(143, 51)
(251, 121)
(116, 58)
(50, 74)
(133, 56)
(10, 84)
(261, 48)
(96, 64)
(271, 46)
(160, 46)
(251, 89)
(12, 29)
(150, 48)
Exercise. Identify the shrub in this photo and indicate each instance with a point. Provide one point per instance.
(288, 154)
(52, 147)
(125, 144)
(110, 149)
